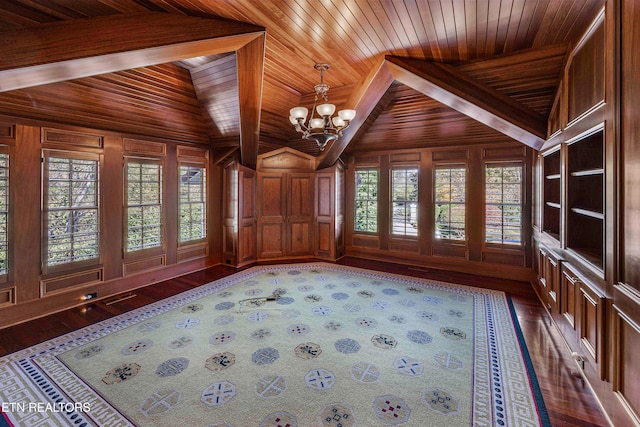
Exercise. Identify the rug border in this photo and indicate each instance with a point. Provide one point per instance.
(543, 414)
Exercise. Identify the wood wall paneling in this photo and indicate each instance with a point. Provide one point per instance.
(586, 73)
(83, 139)
(8, 131)
(504, 258)
(570, 286)
(627, 363)
(142, 265)
(300, 208)
(29, 293)
(26, 200)
(230, 212)
(248, 216)
(187, 253)
(61, 283)
(7, 296)
(592, 327)
(630, 148)
(272, 215)
(141, 147)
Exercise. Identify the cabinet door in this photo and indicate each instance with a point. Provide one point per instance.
(300, 214)
(272, 214)
(325, 226)
(247, 216)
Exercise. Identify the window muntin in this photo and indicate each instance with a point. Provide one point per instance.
(143, 204)
(366, 200)
(4, 210)
(450, 202)
(404, 201)
(192, 218)
(71, 208)
(503, 204)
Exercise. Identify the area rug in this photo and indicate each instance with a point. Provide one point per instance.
(287, 345)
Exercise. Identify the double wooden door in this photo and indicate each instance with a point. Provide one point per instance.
(285, 215)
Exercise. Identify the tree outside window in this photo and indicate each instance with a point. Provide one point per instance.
(450, 202)
(503, 204)
(366, 200)
(192, 222)
(404, 202)
(144, 204)
(71, 207)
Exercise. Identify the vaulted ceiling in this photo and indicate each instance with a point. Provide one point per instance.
(419, 72)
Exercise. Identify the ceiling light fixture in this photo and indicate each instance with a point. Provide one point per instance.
(324, 128)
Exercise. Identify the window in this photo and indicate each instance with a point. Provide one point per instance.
(71, 207)
(144, 203)
(503, 204)
(192, 223)
(366, 201)
(450, 200)
(404, 202)
(4, 209)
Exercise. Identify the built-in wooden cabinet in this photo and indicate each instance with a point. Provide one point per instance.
(285, 182)
(549, 278)
(585, 196)
(329, 212)
(589, 192)
(239, 222)
(552, 193)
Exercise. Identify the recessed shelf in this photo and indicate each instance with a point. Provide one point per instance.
(585, 221)
(588, 172)
(586, 212)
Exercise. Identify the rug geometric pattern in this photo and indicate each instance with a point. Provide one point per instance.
(332, 346)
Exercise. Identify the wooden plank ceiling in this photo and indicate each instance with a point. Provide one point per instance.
(515, 48)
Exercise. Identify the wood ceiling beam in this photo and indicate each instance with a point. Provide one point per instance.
(79, 48)
(449, 86)
(470, 97)
(250, 65)
(364, 98)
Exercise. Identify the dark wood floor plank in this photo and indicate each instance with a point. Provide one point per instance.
(568, 397)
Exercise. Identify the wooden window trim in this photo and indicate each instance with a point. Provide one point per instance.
(202, 164)
(355, 200)
(152, 251)
(406, 236)
(455, 165)
(503, 164)
(47, 270)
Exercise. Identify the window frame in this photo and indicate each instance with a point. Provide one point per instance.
(375, 169)
(202, 165)
(503, 164)
(450, 166)
(404, 235)
(143, 252)
(47, 153)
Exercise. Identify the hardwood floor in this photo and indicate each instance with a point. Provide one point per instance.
(567, 396)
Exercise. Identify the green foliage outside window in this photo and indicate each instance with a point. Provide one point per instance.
(503, 204)
(450, 199)
(366, 200)
(72, 210)
(192, 222)
(404, 201)
(144, 204)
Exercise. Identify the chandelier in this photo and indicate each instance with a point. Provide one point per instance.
(324, 128)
